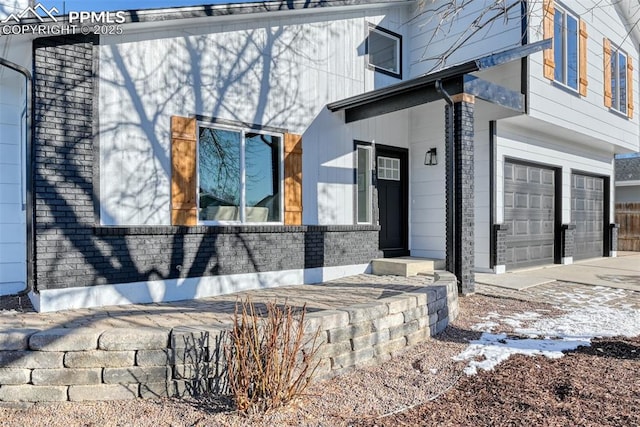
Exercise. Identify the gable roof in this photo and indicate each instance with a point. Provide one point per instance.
(628, 169)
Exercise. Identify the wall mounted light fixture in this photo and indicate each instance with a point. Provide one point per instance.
(431, 157)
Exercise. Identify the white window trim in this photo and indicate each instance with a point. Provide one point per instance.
(615, 74)
(242, 130)
(369, 220)
(398, 40)
(565, 63)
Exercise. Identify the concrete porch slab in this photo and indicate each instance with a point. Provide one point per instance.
(406, 266)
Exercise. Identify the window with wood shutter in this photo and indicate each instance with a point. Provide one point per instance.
(606, 66)
(582, 66)
(183, 171)
(630, 87)
(566, 63)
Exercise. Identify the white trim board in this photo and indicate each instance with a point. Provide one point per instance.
(183, 289)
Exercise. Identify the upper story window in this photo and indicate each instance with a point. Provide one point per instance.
(618, 79)
(566, 62)
(565, 48)
(239, 175)
(384, 51)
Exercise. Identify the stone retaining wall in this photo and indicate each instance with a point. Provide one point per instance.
(121, 363)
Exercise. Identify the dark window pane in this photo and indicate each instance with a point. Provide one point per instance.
(219, 173)
(383, 51)
(622, 82)
(262, 177)
(558, 46)
(572, 52)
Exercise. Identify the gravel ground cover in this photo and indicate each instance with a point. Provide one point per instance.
(595, 385)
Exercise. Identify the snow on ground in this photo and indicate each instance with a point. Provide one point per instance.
(546, 336)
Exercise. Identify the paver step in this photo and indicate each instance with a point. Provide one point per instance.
(406, 266)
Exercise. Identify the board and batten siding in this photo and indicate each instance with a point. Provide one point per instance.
(13, 231)
(586, 115)
(441, 37)
(276, 71)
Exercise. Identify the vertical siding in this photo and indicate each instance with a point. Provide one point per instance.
(586, 115)
(12, 182)
(441, 37)
(273, 71)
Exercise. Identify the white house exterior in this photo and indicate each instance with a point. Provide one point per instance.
(210, 149)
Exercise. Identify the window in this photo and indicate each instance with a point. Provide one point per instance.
(388, 168)
(384, 51)
(239, 175)
(565, 48)
(618, 80)
(363, 184)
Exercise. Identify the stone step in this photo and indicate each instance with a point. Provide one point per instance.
(406, 266)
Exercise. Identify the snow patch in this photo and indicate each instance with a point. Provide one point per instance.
(546, 336)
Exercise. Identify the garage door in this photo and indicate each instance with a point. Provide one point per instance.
(529, 211)
(587, 213)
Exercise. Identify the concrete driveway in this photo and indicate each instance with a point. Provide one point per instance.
(622, 272)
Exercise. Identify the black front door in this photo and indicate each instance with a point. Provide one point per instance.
(393, 200)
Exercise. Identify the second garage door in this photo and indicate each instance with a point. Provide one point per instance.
(587, 213)
(529, 211)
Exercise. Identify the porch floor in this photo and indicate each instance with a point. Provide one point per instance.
(334, 294)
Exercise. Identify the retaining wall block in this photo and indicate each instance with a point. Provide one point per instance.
(31, 359)
(418, 336)
(403, 330)
(326, 319)
(65, 339)
(136, 374)
(32, 393)
(15, 376)
(400, 303)
(365, 341)
(351, 331)
(99, 359)
(157, 357)
(16, 339)
(199, 336)
(67, 376)
(388, 321)
(134, 339)
(359, 313)
(415, 313)
(103, 392)
(351, 358)
(390, 347)
(335, 349)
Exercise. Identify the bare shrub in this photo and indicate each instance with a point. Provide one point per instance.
(270, 359)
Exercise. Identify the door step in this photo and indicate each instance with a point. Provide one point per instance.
(405, 266)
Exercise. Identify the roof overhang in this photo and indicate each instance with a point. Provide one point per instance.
(455, 80)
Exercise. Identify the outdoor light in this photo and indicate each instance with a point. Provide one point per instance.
(431, 157)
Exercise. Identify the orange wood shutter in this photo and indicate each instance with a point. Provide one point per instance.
(582, 66)
(606, 59)
(548, 11)
(292, 179)
(630, 87)
(184, 209)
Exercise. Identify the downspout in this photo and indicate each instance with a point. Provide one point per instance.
(450, 177)
(27, 205)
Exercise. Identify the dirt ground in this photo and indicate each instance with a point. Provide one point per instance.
(590, 386)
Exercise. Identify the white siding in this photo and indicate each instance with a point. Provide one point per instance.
(272, 71)
(518, 142)
(441, 37)
(586, 115)
(12, 182)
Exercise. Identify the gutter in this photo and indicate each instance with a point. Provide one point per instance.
(27, 205)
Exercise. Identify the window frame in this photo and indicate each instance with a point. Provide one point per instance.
(615, 80)
(389, 34)
(564, 66)
(243, 130)
(368, 147)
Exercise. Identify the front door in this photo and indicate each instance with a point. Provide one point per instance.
(393, 200)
